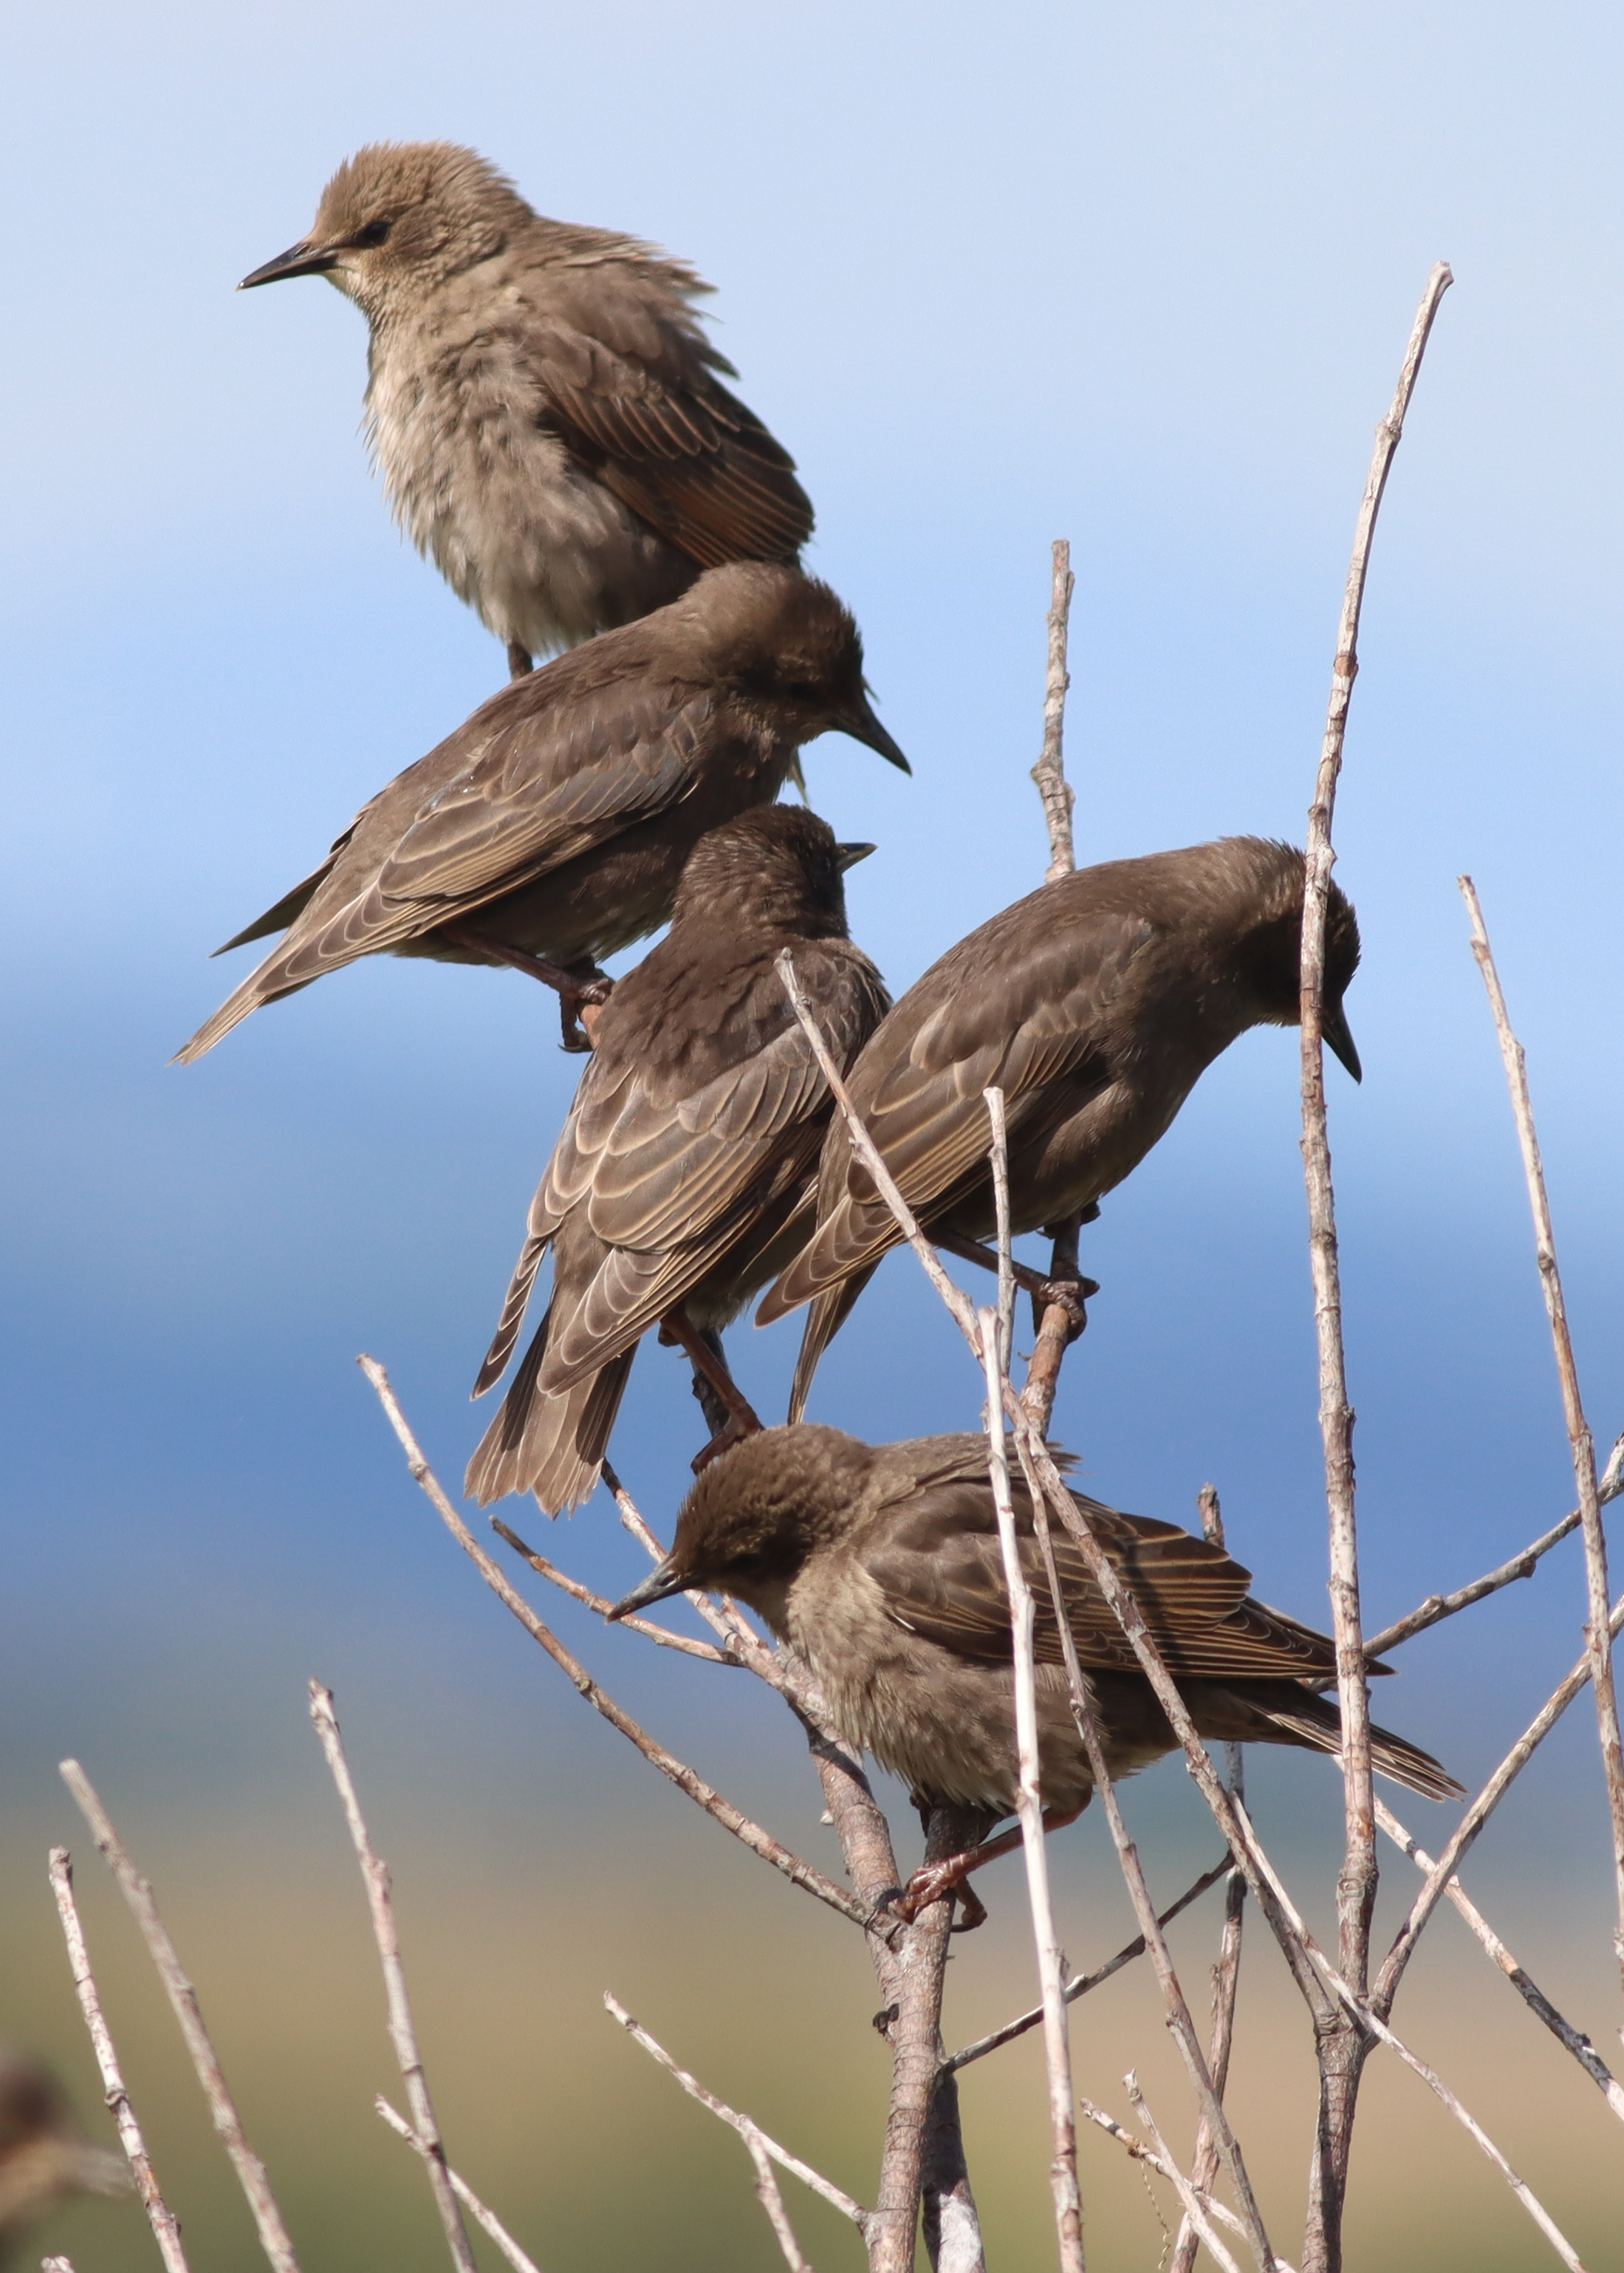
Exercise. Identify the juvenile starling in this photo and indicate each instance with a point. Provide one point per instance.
(1095, 1003)
(552, 827)
(692, 1141)
(43, 2154)
(541, 400)
(881, 1565)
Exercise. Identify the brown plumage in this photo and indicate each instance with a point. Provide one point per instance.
(690, 1143)
(1095, 1004)
(555, 822)
(881, 1565)
(44, 2157)
(541, 402)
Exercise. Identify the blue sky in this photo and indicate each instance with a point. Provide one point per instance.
(1139, 277)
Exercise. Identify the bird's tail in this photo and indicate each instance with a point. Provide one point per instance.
(829, 1314)
(554, 1445)
(257, 988)
(514, 1304)
(1315, 1722)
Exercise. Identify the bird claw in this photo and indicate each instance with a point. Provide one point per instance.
(1071, 1296)
(734, 1433)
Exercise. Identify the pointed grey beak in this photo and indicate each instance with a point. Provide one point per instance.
(850, 854)
(301, 259)
(1333, 1026)
(660, 1584)
(862, 727)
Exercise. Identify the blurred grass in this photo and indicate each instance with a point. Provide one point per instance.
(514, 1924)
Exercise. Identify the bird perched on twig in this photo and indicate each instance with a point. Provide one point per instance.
(690, 1145)
(552, 828)
(1095, 1003)
(541, 400)
(881, 1565)
(43, 2154)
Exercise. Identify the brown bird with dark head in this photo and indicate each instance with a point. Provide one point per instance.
(881, 1565)
(1095, 1004)
(692, 1142)
(541, 401)
(551, 829)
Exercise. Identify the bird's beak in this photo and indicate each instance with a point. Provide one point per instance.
(1333, 1026)
(665, 1580)
(849, 855)
(862, 727)
(301, 259)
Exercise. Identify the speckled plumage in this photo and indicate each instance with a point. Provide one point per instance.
(541, 402)
(881, 1565)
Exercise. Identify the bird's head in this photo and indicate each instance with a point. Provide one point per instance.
(1270, 952)
(755, 1515)
(400, 216)
(778, 867)
(791, 649)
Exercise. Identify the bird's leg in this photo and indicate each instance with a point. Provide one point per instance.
(1060, 1317)
(938, 1878)
(582, 987)
(728, 1412)
(1042, 1290)
(520, 662)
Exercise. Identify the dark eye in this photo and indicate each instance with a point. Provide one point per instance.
(365, 239)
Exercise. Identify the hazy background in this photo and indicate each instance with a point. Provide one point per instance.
(1142, 277)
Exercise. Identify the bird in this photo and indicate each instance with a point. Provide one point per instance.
(550, 828)
(1095, 1004)
(690, 1143)
(880, 1567)
(541, 402)
(43, 2154)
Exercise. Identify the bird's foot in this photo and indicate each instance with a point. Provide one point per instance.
(728, 1412)
(581, 1005)
(733, 1431)
(520, 662)
(929, 1884)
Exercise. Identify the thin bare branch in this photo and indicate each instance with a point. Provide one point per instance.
(465, 2194)
(1125, 2139)
(1028, 1804)
(1580, 1444)
(1050, 771)
(750, 1835)
(835, 2196)
(251, 2171)
(1083, 1983)
(165, 2226)
(1436, 1606)
(1570, 2038)
(602, 1604)
(402, 2034)
(1195, 2213)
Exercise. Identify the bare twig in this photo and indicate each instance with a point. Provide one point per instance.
(1476, 1816)
(750, 1834)
(1580, 1443)
(1083, 1983)
(165, 2225)
(1342, 2049)
(1029, 1803)
(1050, 771)
(835, 2196)
(402, 2034)
(465, 2194)
(602, 1604)
(1226, 1973)
(183, 1997)
(1153, 2161)
(1196, 2215)
(1572, 2039)
(1609, 1485)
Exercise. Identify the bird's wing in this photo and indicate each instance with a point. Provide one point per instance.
(636, 399)
(940, 1569)
(1020, 1020)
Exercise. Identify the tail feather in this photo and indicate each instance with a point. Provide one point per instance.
(1317, 1723)
(249, 997)
(515, 1303)
(553, 1446)
(829, 1314)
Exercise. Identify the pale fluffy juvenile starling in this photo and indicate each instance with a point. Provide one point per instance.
(692, 1142)
(881, 1565)
(541, 402)
(551, 829)
(1095, 1004)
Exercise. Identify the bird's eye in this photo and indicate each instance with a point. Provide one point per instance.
(365, 239)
